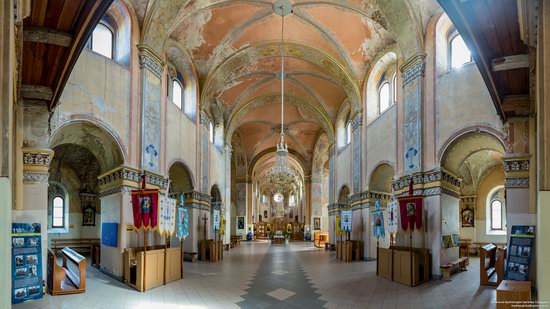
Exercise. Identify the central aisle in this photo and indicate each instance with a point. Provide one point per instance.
(298, 275)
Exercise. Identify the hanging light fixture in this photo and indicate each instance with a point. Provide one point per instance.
(281, 173)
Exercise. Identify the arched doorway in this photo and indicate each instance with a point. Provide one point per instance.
(181, 181)
(380, 183)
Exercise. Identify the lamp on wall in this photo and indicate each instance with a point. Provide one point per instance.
(281, 173)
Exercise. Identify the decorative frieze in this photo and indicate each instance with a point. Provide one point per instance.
(516, 164)
(204, 118)
(156, 180)
(468, 200)
(88, 197)
(149, 59)
(434, 182)
(120, 174)
(30, 177)
(37, 156)
(116, 190)
(517, 182)
(331, 151)
(356, 121)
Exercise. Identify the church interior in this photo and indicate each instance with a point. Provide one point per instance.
(274, 153)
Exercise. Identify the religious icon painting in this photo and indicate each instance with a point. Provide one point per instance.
(316, 223)
(88, 216)
(411, 209)
(468, 217)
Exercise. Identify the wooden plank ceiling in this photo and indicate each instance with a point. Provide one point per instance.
(491, 31)
(54, 34)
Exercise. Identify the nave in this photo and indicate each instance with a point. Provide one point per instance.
(298, 275)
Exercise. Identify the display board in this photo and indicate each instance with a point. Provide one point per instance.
(109, 234)
(26, 264)
(520, 250)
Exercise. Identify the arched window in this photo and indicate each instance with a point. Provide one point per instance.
(459, 54)
(177, 91)
(496, 215)
(384, 97)
(102, 40)
(292, 201)
(348, 129)
(58, 212)
(211, 131)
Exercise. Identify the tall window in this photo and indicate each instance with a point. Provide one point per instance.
(394, 82)
(177, 91)
(384, 97)
(496, 215)
(211, 131)
(102, 40)
(291, 201)
(459, 52)
(58, 212)
(348, 129)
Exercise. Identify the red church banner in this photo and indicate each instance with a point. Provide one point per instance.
(145, 208)
(410, 208)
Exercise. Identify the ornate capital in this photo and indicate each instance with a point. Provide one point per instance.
(413, 68)
(434, 182)
(331, 151)
(36, 165)
(357, 121)
(516, 171)
(149, 59)
(204, 118)
(228, 148)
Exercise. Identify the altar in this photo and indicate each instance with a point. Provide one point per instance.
(278, 240)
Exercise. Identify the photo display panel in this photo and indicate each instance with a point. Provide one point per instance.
(520, 250)
(26, 251)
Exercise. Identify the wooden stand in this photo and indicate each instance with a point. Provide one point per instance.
(61, 279)
(145, 269)
(492, 261)
(349, 250)
(395, 264)
(319, 239)
(510, 293)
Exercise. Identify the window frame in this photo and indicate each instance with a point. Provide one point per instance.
(113, 40)
(181, 103)
(211, 132)
(62, 226)
(501, 215)
(380, 110)
(394, 94)
(452, 36)
(347, 128)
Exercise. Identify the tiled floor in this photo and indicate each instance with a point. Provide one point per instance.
(256, 275)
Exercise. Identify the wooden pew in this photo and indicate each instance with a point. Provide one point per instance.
(69, 278)
(450, 268)
(487, 260)
(80, 245)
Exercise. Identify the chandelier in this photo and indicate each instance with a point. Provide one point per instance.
(282, 174)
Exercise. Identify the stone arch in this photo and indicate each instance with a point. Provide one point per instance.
(181, 177)
(95, 137)
(386, 64)
(343, 194)
(381, 178)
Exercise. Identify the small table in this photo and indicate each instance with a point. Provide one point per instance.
(513, 292)
(278, 240)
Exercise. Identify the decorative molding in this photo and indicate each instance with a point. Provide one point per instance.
(32, 177)
(331, 151)
(204, 118)
(118, 174)
(413, 68)
(434, 182)
(150, 60)
(119, 189)
(41, 157)
(357, 121)
(156, 180)
(88, 197)
(468, 200)
(519, 182)
(516, 164)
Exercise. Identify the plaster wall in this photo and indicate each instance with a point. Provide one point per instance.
(180, 137)
(461, 95)
(76, 230)
(343, 169)
(5, 239)
(449, 225)
(111, 257)
(542, 248)
(381, 141)
(98, 87)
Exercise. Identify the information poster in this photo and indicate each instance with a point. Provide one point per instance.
(520, 250)
(345, 218)
(26, 262)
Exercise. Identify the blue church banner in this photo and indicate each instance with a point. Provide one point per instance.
(345, 220)
(26, 262)
(109, 234)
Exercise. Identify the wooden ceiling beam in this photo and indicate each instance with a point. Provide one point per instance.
(511, 62)
(516, 105)
(47, 36)
(35, 92)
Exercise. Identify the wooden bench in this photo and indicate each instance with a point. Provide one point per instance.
(80, 245)
(189, 256)
(452, 267)
(63, 279)
(235, 240)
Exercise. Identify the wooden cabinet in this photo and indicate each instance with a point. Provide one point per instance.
(147, 273)
(513, 292)
(395, 264)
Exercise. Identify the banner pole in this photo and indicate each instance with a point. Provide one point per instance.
(411, 252)
(144, 258)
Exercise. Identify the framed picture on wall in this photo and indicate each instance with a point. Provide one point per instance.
(468, 217)
(316, 223)
(88, 216)
(240, 223)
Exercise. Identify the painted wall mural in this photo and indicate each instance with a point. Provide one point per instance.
(413, 71)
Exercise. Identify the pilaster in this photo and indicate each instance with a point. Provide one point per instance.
(204, 150)
(412, 72)
(332, 174)
(152, 68)
(357, 125)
